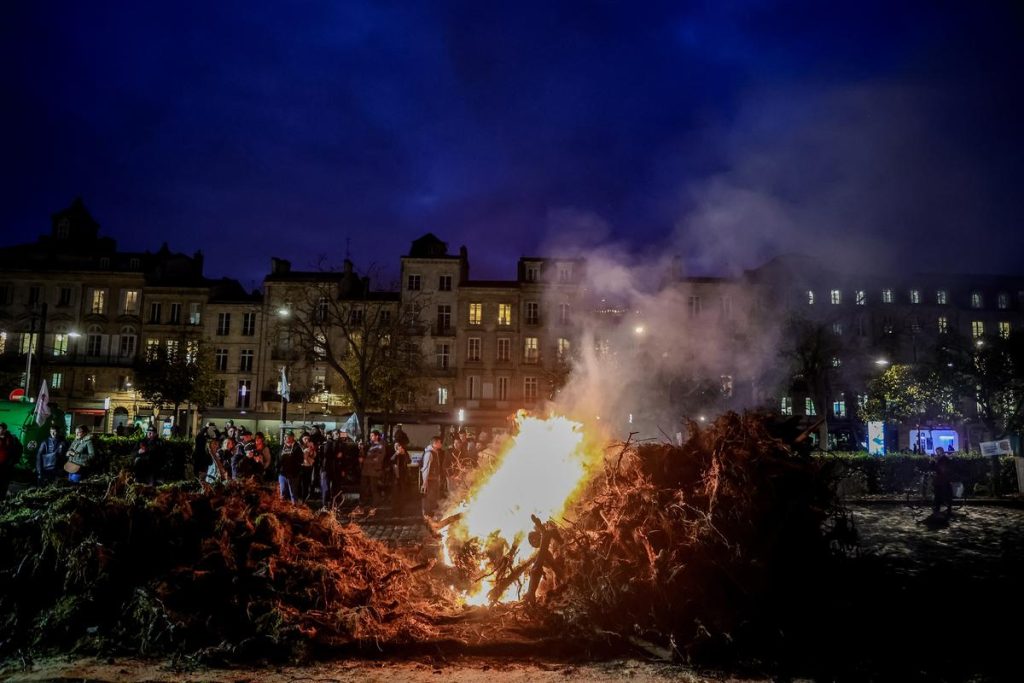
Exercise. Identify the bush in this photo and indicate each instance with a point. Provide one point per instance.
(114, 453)
(863, 474)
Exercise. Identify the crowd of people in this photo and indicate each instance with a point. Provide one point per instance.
(312, 466)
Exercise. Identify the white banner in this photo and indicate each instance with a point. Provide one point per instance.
(1001, 447)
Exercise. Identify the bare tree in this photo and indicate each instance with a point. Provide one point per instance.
(366, 338)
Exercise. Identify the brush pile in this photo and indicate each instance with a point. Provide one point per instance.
(701, 549)
(228, 573)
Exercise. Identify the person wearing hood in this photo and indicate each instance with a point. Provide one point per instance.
(10, 453)
(81, 453)
(49, 457)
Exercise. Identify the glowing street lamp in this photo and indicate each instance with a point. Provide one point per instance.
(638, 330)
(882, 362)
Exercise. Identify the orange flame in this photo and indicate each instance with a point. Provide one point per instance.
(540, 471)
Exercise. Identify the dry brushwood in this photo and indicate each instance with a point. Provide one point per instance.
(694, 546)
(230, 571)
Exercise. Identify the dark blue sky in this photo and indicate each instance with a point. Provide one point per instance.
(725, 131)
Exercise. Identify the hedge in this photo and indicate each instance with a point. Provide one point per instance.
(858, 473)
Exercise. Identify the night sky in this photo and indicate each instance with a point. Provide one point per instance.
(725, 131)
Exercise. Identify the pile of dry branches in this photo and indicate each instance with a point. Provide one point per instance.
(227, 572)
(694, 548)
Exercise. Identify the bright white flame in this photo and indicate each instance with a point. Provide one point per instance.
(544, 465)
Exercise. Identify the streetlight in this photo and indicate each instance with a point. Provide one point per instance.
(882, 362)
(638, 330)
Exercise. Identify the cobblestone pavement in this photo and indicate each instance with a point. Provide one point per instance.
(984, 543)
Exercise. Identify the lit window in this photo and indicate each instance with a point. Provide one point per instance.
(531, 349)
(194, 313)
(915, 296)
(1004, 330)
(3, 343)
(886, 296)
(977, 301)
(530, 388)
(1003, 300)
(943, 324)
(442, 396)
(244, 392)
(152, 349)
(99, 301)
(836, 296)
(60, 344)
(836, 361)
(191, 351)
(172, 348)
(504, 314)
(839, 407)
(56, 380)
(476, 314)
(563, 348)
(941, 297)
(504, 349)
(977, 329)
(809, 406)
(786, 405)
(473, 350)
(860, 297)
(810, 297)
(131, 302)
(837, 329)
(28, 343)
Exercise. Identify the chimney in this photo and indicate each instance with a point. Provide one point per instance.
(279, 266)
(463, 264)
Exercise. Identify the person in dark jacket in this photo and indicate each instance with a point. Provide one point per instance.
(149, 457)
(289, 467)
(50, 457)
(10, 453)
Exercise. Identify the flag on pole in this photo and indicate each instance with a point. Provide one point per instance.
(284, 391)
(42, 404)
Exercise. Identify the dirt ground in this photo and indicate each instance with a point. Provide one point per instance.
(925, 601)
(465, 670)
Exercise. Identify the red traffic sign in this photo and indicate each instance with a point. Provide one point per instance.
(17, 395)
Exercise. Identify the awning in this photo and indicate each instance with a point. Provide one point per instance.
(88, 411)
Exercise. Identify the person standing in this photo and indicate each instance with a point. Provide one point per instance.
(430, 475)
(10, 453)
(49, 457)
(400, 493)
(81, 453)
(289, 468)
(373, 462)
(217, 470)
(148, 457)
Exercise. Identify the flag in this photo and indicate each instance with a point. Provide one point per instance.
(284, 390)
(42, 404)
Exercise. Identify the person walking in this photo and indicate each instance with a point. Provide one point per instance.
(149, 457)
